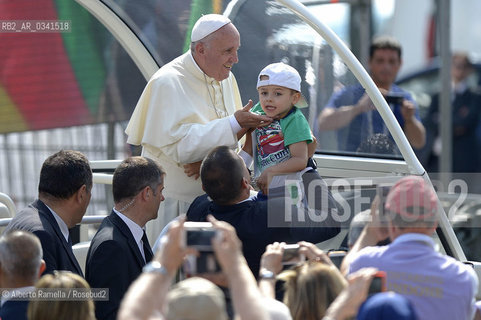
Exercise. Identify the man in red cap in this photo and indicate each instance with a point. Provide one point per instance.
(438, 286)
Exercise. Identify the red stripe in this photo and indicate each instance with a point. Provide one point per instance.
(431, 38)
(36, 72)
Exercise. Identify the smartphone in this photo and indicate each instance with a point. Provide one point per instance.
(382, 191)
(378, 283)
(199, 235)
(291, 255)
(394, 98)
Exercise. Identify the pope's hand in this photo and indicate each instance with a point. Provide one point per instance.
(248, 119)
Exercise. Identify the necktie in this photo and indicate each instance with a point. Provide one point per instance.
(147, 250)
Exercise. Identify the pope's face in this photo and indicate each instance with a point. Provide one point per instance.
(220, 52)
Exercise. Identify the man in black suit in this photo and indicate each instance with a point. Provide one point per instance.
(20, 267)
(64, 193)
(226, 181)
(120, 249)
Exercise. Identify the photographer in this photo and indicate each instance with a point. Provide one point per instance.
(437, 285)
(352, 109)
(147, 295)
(324, 301)
(310, 286)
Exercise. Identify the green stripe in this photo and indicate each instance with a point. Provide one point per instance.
(84, 48)
(198, 8)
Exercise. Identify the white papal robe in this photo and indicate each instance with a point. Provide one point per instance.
(181, 115)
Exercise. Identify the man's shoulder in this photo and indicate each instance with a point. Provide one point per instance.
(372, 251)
(106, 243)
(108, 239)
(198, 208)
(371, 256)
(31, 219)
(14, 309)
(203, 205)
(204, 201)
(108, 231)
(460, 271)
(170, 70)
(345, 95)
(354, 88)
(105, 230)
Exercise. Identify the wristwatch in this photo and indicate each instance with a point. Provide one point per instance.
(267, 274)
(155, 267)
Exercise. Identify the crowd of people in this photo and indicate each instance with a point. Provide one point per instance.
(191, 170)
(251, 260)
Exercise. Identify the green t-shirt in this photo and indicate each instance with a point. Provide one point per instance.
(272, 141)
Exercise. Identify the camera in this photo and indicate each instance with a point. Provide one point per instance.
(291, 255)
(394, 98)
(378, 283)
(199, 235)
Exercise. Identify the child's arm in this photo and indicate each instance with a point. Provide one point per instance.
(311, 147)
(246, 152)
(296, 162)
(241, 133)
(248, 143)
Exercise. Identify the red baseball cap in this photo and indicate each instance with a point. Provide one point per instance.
(412, 192)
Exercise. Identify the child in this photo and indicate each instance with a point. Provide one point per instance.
(282, 146)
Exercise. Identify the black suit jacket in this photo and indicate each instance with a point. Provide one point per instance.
(39, 220)
(114, 261)
(14, 310)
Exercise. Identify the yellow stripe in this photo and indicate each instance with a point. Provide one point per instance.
(10, 119)
(217, 6)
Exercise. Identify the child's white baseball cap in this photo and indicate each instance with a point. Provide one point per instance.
(281, 74)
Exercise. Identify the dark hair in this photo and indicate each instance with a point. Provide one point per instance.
(134, 174)
(63, 173)
(385, 42)
(221, 173)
